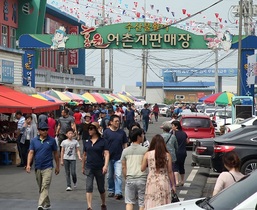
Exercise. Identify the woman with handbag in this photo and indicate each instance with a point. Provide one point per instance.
(159, 162)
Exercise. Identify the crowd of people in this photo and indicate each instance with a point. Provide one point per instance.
(152, 170)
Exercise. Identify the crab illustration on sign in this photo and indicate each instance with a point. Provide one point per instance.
(219, 40)
(59, 38)
(97, 40)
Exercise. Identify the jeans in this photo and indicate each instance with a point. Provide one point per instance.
(70, 169)
(44, 178)
(145, 123)
(114, 177)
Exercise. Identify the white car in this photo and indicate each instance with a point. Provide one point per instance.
(209, 111)
(246, 122)
(240, 196)
(222, 117)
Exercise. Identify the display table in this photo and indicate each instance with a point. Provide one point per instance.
(12, 148)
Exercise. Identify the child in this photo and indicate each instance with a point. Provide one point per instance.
(68, 157)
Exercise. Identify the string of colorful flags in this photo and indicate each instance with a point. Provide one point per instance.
(92, 9)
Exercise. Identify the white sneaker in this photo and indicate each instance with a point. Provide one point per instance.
(75, 186)
(68, 189)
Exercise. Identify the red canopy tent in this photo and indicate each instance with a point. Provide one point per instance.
(12, 100)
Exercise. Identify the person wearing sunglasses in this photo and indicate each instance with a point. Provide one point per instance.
(44, 149)
(95, 163)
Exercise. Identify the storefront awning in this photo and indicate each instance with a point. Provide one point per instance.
(12, 100)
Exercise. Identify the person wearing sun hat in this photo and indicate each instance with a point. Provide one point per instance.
(85, 126)
(95, 163)
(44, 149)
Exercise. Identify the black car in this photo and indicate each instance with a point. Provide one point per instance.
(203, 148)
(244, 145)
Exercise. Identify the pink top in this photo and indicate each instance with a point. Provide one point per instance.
(225, 179)
(51, 125)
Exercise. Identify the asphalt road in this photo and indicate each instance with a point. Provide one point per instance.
(18, 190)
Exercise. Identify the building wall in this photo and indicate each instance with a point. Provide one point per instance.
(186, 96)
(154, 95)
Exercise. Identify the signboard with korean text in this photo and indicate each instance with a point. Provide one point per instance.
(134, 35)
(73, 55)
(9, 13)
(29, 68)
(6, 71)
(200, 72)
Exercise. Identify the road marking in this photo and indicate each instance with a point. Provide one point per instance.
(187, 184)
(191, 176)
(196, 166)
(183, 192)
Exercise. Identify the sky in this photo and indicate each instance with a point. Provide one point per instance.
(127, 64)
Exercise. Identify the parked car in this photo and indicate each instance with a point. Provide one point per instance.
(222, 117)
(203, 148)
(200, 107)
(197, 126)
(241, 195)
(246, 122)
(245, 145)
(209, 110)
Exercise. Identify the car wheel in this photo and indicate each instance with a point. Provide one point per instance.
(249, 166)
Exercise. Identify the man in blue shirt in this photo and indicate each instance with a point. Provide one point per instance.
(145, 117)
(44, 149)
(117, 140)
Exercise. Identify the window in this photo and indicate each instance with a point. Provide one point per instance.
(12, 38)
(4, 38)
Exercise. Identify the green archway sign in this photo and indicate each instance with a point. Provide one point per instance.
(139, 35)
(136, 35)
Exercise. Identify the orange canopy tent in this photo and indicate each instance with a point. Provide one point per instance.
(12, 100)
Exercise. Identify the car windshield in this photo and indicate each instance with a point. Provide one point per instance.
(223, 113)
(196, 122)
(210, 110)
(233, 195)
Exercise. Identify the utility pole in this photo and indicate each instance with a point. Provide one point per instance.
(144, 63)
(239, 49)
(103, 50)
(111, 69)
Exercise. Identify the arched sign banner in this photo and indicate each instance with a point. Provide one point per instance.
(138, 35)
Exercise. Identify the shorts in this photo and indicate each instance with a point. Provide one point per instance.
(100, 180)
(135, 189)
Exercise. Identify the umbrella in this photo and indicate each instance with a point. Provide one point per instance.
(50, 98)
(127, 99)
(113, 98)
(117, 97)
(107, 98)
(76, 97)
(203, 98)
(93, 98)
(59, 95)
(221, 98)
(130, 96)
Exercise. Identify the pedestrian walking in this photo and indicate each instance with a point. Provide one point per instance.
(29, 131)
(70, 147)
(21, 119)
(129, 116)
(64, 122)
(95, 164)
(179, 166)
(85, 126)
(78, 120)
(160, 177)
(117, 141)
(156, 112)
(52, 124)
(145, 117)
(231, 162)
(43, 149)
(131, 158)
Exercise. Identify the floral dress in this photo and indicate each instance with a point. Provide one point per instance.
(158, 189)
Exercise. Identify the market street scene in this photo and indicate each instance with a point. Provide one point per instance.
(118, 104)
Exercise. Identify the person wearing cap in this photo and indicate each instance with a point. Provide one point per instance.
(95, 164)
(43, 149)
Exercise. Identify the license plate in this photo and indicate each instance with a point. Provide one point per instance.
(192, 140)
